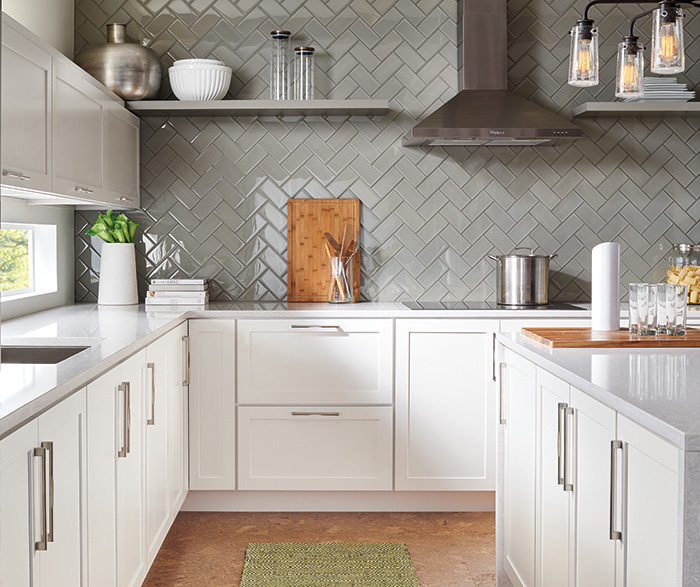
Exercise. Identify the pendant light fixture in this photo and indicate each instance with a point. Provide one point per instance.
(667, 50)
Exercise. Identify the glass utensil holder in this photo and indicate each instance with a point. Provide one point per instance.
(279, 64)
(340, 283)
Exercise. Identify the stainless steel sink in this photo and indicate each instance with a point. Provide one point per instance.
(44, 355)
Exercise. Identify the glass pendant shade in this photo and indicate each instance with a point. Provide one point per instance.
(667, 50)
(630, 70)
(583, 59)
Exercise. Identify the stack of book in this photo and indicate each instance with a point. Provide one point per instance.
(178, 292)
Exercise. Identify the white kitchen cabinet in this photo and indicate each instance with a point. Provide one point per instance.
(518, 412)
(647, 484)
(26, 111)
(323, 362)
(319, 448)
(42, 497)
(177, 419)
(212, 404)
(445, 408)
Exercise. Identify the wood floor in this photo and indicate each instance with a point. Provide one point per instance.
(206, 549)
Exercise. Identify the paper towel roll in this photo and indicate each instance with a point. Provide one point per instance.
(605, 287)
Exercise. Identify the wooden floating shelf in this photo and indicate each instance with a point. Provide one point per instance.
(259, 108)
(592, 109)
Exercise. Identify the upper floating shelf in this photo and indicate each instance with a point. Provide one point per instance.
(591, 109)
(259, 108)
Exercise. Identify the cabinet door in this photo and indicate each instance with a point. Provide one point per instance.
(594, 551)
(650, 532)
(554, 539)
(131, 548)
(519, 412)
(445, 417)
(103, 428)
(26, 112)
(177, 406)
(77, 135)
(20, 505)
(62, 434)
(322, 448)
(155, 418)
(121, 157)
(315, 362)
(212, 404)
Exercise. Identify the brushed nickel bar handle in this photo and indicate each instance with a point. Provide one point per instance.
(615, 445)
(84, 190)
(41, 544)
(152, 420)
(128, 416)
(15, 175)
(122, 451)
(560, 450)
(186, 362)
(493, 357)
(315, 413)
(502, 372)
(567, 486)
(49, 448)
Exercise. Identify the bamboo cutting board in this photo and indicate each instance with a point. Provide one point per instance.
(587, 338)
(307, 261)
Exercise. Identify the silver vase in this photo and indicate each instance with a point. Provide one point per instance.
(131, 71)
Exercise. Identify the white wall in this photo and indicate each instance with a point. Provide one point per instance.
(13, 210)
(51, 20)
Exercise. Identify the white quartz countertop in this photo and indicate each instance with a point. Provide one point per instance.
(657, 388)
(114, 333)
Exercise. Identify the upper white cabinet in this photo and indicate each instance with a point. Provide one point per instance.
(63, 133)
(320, 362)
(26, 112)
(445, 408)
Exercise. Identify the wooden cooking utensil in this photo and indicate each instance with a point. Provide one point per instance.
(347, 237)
(333, 242)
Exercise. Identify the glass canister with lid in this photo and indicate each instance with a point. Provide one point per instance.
(684, 268)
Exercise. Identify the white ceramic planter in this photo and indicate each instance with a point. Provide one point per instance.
(118, 275)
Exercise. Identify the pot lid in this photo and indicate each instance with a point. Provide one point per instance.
(514, 255)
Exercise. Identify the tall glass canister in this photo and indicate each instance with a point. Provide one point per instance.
(279, 64)
(304, 73)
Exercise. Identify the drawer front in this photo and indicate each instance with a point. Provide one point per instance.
(315, 362)
(324, 448)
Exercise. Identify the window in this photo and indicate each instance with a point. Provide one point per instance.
(27, 260)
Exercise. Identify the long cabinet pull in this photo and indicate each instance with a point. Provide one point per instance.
(15, 175)
(315, 413)
(568, 486)
(125, 408)
(335, 327)
(83, 190)
(560, 442)
(152, 420)
(615, 446)
(186, 360)
(493, 356)
(128, 417)
(41, 544)
(501, 384)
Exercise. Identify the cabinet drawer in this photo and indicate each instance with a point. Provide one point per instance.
(315, 361)
(319, 448)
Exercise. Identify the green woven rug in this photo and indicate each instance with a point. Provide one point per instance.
(328, 564)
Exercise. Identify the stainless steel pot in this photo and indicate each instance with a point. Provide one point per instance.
(522, 280)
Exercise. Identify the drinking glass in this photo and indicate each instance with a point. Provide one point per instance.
(676, 308)
(646, 307)
(662, 314)
(634, 314)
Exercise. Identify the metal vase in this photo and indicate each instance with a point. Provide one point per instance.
(131, 71)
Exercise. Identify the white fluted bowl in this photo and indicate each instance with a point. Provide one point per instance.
(190, 63)
(200, 83)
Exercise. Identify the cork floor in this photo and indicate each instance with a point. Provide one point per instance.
(206, 549)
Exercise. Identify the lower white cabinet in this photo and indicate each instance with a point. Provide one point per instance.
(42, 499)
(445, 408)
(315, 448)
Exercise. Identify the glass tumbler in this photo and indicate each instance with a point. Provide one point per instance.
(676, 308)
(279, 65)
(634, 314)
(304, 73)
(646, 306)
(340, 280)
(661, 308)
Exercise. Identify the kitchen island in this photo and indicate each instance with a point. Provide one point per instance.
(599, 461)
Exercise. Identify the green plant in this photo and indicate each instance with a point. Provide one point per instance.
(113, 229)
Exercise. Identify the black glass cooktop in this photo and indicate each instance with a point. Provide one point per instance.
(485, 306)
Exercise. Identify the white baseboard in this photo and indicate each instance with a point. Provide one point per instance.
(339, 501)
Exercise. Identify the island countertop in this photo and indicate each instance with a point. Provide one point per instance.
(657, 388)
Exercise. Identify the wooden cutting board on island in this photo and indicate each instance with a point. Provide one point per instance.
(307, 260)
(564, 338)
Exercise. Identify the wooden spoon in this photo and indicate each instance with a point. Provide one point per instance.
(333, 242)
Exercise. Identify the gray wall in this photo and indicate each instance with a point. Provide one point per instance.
(51, 20)
(214, 190)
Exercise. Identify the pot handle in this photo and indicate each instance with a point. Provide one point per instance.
(554, 256)
(523, 249)
(493, 257)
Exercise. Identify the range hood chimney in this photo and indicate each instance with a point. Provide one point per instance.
(484, 112)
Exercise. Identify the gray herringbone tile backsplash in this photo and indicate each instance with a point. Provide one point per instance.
(214, 190)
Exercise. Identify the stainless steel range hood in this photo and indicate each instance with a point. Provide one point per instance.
(484, 112)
